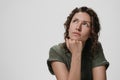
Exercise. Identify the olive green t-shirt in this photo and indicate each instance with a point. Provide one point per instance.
(61, 54)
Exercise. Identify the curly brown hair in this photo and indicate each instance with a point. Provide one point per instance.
(92, 42)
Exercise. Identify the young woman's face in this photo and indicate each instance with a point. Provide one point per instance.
(80, 27)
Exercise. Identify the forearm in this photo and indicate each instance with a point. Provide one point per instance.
(75, 70)
(75, 47)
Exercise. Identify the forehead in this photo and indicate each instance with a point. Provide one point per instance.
(82, 16)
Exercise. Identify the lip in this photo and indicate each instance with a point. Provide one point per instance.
(76, 33)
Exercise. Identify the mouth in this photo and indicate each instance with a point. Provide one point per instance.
(76, 33)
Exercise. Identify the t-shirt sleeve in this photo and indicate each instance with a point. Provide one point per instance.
(99, 58)
(54, 55)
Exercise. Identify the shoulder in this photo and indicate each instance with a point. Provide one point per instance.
(58, 48)
(98, 52)
(99, 47)
(99, 57)
(56, 53)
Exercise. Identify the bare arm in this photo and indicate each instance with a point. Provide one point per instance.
(62, 73)
(99, 73)
(60, 69)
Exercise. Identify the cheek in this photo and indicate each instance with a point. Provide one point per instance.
(69, 30)
(86, 35)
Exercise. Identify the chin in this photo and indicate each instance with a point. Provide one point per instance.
(76, 38)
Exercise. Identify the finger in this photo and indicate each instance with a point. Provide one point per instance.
(71, 41)
(80, 42)
(76, 41)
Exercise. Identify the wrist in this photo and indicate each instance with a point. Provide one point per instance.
(76, 55)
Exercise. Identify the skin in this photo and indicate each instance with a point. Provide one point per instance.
(79, 32)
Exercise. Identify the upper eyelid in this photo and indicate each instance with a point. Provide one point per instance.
(87, 22)
(75, 20)
(82, 21)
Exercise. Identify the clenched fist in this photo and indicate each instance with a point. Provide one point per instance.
(74, 46)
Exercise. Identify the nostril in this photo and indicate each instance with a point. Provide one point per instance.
(78, 28)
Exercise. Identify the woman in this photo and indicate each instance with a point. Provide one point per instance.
(81, 56)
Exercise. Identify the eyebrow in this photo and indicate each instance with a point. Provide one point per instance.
(82, 21)
(87, 21)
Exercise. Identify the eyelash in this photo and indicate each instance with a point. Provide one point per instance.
(83, 23)
(75, 20)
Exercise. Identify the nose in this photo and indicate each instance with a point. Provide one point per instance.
(79, 27)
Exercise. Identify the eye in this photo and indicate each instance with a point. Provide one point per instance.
(75, 20)
(85, 24)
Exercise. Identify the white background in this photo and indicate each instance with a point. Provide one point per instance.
(28, 28)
